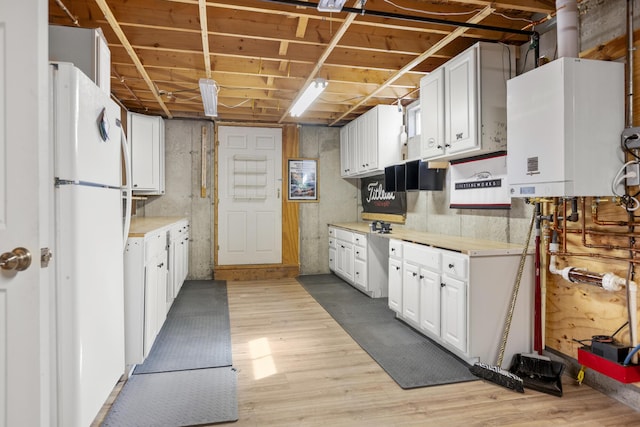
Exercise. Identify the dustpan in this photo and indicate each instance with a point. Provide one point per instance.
(538, 373)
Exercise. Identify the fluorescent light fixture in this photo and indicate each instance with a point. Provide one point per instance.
(330, 5)
(209, 93)
(308, 96)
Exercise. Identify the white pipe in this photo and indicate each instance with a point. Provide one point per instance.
(609, 282)
(567, 21)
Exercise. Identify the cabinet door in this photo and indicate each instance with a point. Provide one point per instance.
(354, 145)
(411, 292)
(150, 307)
(432, 139)
(360, 274)
(345, 158)
(461, 94)
(430, 301)
(345, 260)
(146, 140)
(349, 261)
(332, 259)
(454, 312)
(395, 285)
(370, 142)
(161, 285)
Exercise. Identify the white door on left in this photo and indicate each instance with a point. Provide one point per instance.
(24, 299)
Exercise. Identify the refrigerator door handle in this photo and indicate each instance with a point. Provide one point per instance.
(127, 188)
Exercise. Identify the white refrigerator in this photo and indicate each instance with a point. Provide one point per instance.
(88, 242)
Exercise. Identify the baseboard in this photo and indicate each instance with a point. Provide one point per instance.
(255, 272)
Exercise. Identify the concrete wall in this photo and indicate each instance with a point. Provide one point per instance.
(338, 197)
(182, 190)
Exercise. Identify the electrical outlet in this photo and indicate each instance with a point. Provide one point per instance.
(633, 180)
(632, 135)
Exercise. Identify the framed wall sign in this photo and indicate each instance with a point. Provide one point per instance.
(303, 180)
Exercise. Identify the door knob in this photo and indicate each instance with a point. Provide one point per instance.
(18, 259)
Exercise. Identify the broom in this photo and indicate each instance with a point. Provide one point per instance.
(496, 374)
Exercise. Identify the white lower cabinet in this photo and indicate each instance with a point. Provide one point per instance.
(155, 266)
(461, 301)
(360, 260)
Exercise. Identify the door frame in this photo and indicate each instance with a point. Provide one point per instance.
(290, 265)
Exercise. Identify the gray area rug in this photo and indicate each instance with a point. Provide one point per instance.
(196, 334)
(181, 398)
(187, 379)
(411, 359)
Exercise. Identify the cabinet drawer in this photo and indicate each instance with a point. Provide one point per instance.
(455, 264)
(332, 242)
(360, 252)
(425, 256)
(332, 232)
(359, 239)
(345, 235)
(395, 248)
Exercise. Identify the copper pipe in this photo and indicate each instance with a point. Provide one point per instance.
(594, 255)
(596, 220)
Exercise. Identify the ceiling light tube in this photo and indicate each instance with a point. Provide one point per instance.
(209, 93)
(308, 96)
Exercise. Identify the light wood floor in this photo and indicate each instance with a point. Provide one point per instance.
(297, 367)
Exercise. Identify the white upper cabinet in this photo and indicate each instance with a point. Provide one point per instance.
(432, 114)
(463, 103)
(86, 48)
(371, 142)
(145, 135)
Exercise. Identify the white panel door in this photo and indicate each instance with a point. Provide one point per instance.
(250, 195)
(24, 300)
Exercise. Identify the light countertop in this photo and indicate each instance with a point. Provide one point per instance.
(143, 225)
(466, 245)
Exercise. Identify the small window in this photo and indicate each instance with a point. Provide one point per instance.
(413, 119)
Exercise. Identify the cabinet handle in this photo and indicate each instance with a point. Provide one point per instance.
(393, 249)
(442, 284)
(421, 277)
(451, 265)
(161, 265)
(438, 146)
(342, 246)
(397, 268)
(358, 253)
(414, 274)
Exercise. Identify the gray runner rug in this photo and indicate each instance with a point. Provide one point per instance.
(197, 332)
(411, 359)
(187, 379)
(181, 398)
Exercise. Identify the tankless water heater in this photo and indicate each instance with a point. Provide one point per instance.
(564, 121)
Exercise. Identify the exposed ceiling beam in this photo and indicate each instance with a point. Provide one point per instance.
(334, 41)
(204, 29)
(102, 4)
(436, 47)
